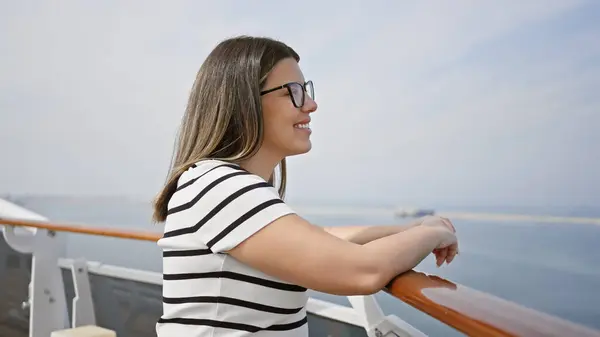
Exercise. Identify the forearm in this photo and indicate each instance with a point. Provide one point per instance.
(398, 253)
(364, 234)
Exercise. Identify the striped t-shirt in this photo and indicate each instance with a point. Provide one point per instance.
(207, 292)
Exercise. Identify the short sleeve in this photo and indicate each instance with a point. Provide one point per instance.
(227, 205)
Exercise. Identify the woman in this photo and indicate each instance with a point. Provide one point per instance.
(237, 259)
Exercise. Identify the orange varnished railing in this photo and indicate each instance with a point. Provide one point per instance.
(84, 229)
(467, 310)
(476, 313)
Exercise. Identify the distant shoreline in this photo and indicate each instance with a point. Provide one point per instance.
(543, 214)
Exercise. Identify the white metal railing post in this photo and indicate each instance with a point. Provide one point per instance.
(47, 301)
(83, 306)
(378, 325)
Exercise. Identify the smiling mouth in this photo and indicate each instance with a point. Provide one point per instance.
(302, 126)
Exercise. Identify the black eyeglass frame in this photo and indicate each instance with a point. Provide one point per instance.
(289, 89)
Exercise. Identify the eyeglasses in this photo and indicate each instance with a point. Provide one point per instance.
(297, 92)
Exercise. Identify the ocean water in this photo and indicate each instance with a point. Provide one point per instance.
(554, 268)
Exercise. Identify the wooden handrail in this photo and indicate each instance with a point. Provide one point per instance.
(467, 310)
(476, 313)
(83, 229)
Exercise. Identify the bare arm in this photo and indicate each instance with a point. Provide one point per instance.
(296, 251)
(364, 234)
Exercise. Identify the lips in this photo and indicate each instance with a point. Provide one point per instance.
(302, 126)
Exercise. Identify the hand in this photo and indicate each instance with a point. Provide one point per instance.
(444, 252)
(434, 220)
(447, 249)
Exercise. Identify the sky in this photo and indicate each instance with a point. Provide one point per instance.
(420, 103)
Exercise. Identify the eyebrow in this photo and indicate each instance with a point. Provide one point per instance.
(303, 82)
(283, 83)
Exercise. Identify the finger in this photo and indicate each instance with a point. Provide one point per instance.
(436, 252)
(441, 256)
(452, 251)
(448, 223)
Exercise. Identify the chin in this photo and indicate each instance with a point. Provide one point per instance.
(299, 149)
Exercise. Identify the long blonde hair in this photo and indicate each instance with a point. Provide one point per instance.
(223, 119)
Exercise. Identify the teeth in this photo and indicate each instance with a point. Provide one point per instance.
(302, 126)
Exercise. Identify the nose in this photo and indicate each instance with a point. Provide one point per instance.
(310, 105)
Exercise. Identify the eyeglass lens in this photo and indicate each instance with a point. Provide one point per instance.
(298, 93)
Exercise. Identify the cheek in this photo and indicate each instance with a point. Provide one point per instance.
(278, 123)
(278, 129)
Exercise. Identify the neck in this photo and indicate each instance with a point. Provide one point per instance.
(262, 164)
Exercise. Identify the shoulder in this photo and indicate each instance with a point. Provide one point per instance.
(217, 175)
(209, 170)
(211, 179)
(214, 184)
(222, 204)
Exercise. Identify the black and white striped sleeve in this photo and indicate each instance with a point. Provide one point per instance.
(225, 206)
